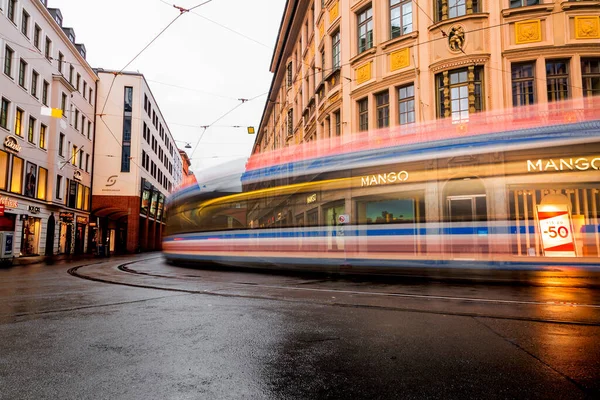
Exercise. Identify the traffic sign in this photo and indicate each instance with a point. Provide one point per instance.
(343, 219)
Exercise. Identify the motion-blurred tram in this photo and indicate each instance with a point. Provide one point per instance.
(502, 190)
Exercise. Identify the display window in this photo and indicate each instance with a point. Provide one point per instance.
(31, 236)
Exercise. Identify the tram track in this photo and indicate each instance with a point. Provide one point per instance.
(125, 267)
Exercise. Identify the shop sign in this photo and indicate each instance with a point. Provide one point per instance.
(311, 198)
(556, 230)
(1, 210)
(82, 220)
(77, 175)
(382, 179)
(11, 143)
(66, 216)
(33, 209)
(563, 164)
(8, 203)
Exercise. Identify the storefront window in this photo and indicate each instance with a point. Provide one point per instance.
(42, 184)
(332, 213)
(387, 211)
(16, 181)
(86, 199)
(3, 169)
(31, 236)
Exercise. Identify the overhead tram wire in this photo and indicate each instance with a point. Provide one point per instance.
(205, 127)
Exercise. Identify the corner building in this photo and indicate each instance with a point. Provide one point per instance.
(45, 162)
(137, 165)
(354, 65)
(346, 66)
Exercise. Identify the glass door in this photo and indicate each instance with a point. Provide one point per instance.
(467, 231)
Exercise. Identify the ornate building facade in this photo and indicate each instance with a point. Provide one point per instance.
(344, 66)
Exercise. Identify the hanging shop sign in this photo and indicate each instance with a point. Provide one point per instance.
(33, 209)
(11, 143)
(82, 220)
(383, 179)
(77, 175)
(311, 198)
(556, 230)
(66, 216)
(563, 164)
(8, 202)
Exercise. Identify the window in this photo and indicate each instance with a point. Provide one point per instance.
(8, 55)
(30, 179)
(523, 3)
(10, 12)
(401, 17)
(289, 74)
(82, 124)
(43, 129)
(16, 179)
(74, 155)
(59, 180)
(90, 96)
(406, 104)
(63, 105)
(523, 83)
(42, 183)
(4, 113)
(22, 73)
(365, 30)
(25, 24)
(34, 84)
(78, 82)
(48, 48)
(19, 122)
(71, 71)
(458, 92)
(126, 141)
(61, 60)
(3, 169)
(383, 109)
(87, 163)
(80, 163)
(76, 124)
(89, 131)
(61, 145)
(455, 8)
(290, 122)
(590, 73)
(337, 119)
(335, 51)
(31, 130)
(363, 114)
(557, 79)
(84, 91)
(37, 31)
(45, 87)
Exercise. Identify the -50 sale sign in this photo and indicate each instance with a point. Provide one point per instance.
(556, 230)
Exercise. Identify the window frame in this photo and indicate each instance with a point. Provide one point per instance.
(554, 80)
(382, 109)
(336, 50)
(406, 100)
(4, 112)
(587, 78)
(8, 61)
(363, 114)
(520, 81)
(400, 6)
(367, 23)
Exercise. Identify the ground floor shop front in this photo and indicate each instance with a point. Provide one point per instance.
(29, 228)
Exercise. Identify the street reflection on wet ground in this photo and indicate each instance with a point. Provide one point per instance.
(159, 331)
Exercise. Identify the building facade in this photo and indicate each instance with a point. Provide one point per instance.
(47, 156)
(346, 70)
(344, 66)
(137, 164)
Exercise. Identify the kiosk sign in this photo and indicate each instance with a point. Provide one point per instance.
(556, 230)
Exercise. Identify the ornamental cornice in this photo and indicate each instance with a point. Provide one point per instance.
(453, 21)
(478, 59)
(534, 11)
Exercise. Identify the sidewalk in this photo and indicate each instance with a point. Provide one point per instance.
(49, 259)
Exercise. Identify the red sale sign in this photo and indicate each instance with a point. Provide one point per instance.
(556, 230)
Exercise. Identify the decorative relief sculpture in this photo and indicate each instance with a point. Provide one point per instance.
(587, 27)
(528, 31)
(399, 59)
(456, 38)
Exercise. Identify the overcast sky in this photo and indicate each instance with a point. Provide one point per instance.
(217, 65)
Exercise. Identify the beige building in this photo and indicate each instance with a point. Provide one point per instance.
(345, 66)
(45, 161)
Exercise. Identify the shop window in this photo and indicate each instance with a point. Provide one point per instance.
(557, 76)
(86, 199)
(42, 183)
(72, 193)
(16, 180)
(3, 169)
(30, 179)
(459, 93)
(31, 236)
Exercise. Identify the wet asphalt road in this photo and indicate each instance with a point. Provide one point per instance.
(154, 331)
